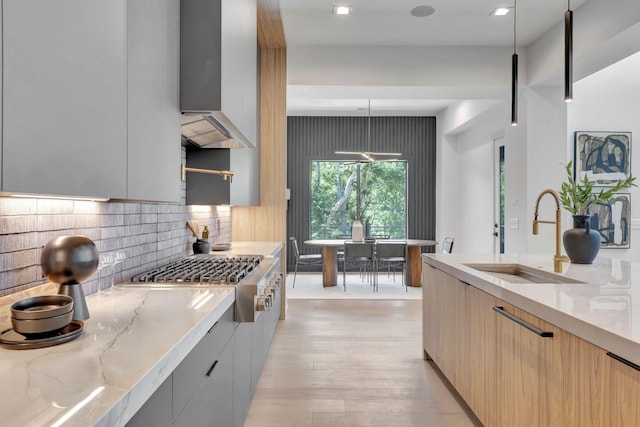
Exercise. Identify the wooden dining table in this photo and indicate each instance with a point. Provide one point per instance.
(330, 259)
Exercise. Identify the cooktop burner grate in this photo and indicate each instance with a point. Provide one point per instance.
(202, 269)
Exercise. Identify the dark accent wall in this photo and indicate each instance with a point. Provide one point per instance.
(317, 138)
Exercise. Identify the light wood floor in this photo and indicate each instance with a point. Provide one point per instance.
(338, 363)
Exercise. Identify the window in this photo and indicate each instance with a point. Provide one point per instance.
(334, 198)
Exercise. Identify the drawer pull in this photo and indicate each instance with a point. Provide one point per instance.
(622, 360)
(522, 323)
(212, 368)
(212, 328)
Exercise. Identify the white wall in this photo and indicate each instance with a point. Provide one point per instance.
(546, 153)
(602, 30)
(543, 140)
(475, 191)
(465, 197)
(403, 66)
(610, 101)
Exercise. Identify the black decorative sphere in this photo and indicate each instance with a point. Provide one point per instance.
(69, 259)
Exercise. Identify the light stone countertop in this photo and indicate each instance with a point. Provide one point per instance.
(250, 248)
(133, 341)
(600, 310)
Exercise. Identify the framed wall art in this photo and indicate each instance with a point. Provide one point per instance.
(604, 157)
(613, 221)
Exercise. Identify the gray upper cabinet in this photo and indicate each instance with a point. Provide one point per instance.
(153, 100)
(64, 97)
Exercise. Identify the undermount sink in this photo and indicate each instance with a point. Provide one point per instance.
(516, 273)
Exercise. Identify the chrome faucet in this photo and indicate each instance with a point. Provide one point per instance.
(558, 258)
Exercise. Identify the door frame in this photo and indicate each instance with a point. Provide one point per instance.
(499, 153)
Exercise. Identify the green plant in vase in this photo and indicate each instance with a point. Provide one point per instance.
(576, 196)
(581, 243)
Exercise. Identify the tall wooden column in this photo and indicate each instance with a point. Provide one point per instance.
(268, 222)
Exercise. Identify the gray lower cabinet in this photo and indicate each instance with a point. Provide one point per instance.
(64, 97)
(214, 384)
(156, 411)
(262, 334)
(241, 373)
(211, 405)
(196, 367)
(153, 128)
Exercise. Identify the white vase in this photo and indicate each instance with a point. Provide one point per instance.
(357, 232)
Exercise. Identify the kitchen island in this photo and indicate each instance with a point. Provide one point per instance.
(134, 340)
(547, 348)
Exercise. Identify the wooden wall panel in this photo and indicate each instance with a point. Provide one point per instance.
(267, 222)
(270, 31)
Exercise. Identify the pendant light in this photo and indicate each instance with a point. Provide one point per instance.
(514, 73)
(368, 156)
(568, 53)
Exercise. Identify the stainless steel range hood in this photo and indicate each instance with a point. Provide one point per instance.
(218, 72)
(212, 130)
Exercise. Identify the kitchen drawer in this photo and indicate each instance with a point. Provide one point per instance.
(193, 369)
(156, 411)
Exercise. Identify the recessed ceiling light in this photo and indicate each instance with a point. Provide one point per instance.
(422, 11)
(341, 10)
(500, 11)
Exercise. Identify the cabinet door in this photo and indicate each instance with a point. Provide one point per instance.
(221, 380)
(64, 97)
(259, 349)
(601, 390)
(530, 370)
(212, 402)
(447, 325)
(430, 329)
(156, 411)
(482, 385)
(193, 369)
(241, 373)
(198, 411)
(153, 38)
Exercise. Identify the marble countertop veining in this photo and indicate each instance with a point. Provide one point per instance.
(133, 341)
(600, 310)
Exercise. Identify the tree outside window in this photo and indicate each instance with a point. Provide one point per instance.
(334, 198)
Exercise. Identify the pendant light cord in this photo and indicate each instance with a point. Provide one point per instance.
(515, 15)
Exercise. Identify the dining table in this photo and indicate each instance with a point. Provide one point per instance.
(413, 274)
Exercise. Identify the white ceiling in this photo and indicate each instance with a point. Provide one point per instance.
(390, 23)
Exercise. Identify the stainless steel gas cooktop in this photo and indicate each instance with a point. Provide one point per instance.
(256, 279)
(203, 269)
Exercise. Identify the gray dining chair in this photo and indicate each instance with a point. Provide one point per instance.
(303, 259)
(392, 254)
(361, 255)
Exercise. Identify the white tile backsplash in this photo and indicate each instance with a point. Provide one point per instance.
(150, 234)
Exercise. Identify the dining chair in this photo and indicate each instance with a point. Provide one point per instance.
(392, 254)
(361, 255)
(303, 259)
(447, 245)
